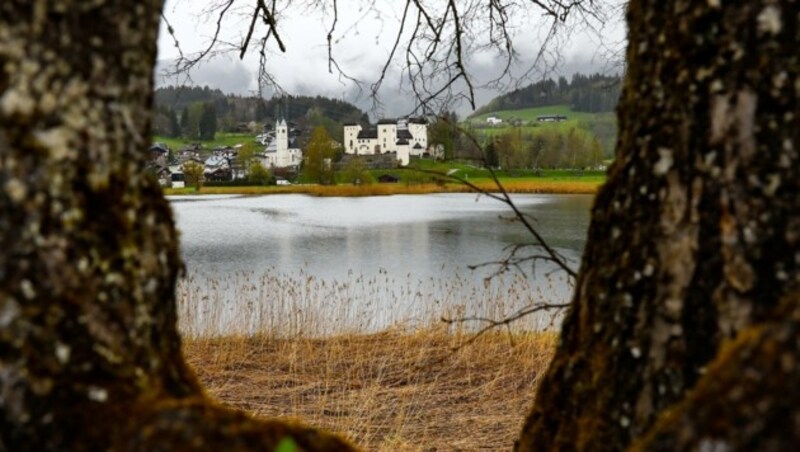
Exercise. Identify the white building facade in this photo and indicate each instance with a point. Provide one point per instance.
(405, 138)
(281, 152)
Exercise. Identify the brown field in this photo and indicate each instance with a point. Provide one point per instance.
(525, 186)
(389, 391)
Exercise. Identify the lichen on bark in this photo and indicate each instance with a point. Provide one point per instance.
(693, 239)
(90, 356)
(747, 399)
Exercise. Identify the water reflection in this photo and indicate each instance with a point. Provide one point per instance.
(414, 243)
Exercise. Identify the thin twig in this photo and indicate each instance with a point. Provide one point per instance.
(492, 323)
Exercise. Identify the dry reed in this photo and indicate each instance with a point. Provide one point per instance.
(368, 357)
(302, 305)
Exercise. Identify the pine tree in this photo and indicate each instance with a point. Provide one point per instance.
(174, 126)
(207, 126)
(261, 110)
(492, 159)
(185, 132)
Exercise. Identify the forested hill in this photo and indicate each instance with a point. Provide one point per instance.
(592, 93)
(294, 108)
(233, 112)
(179, 97)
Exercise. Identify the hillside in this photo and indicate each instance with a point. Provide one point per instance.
(523, 123)
(593, 94)
(586, 135)
(527, 116)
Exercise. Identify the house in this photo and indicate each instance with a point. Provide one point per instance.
(177, 177)
(189, 152)
(404, 138)
(224, 166)
(226, 151)
(551, 118)
(159, 172)
(182, 160)
(238, 170)
(494, 120)
(159, 152)
(218, 169)
(282, 150)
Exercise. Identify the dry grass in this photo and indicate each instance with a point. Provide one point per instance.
(524, 186)
(545, 187)
(393, 390)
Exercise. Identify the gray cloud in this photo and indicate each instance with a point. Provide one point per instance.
(234, 77)
(225, 73)
(361, 50)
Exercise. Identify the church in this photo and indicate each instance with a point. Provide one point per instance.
(282, 150)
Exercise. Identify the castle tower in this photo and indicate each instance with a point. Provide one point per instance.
(351, 131)
(418, 127)
(387, 135)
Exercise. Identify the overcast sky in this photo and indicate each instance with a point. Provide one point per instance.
(362, 42)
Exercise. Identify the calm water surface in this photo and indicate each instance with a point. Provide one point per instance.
(409, 243)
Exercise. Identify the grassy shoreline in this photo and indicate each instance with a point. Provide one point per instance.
(394, 390)
(511, 186)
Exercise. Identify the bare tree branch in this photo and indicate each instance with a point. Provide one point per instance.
(551, 254)
(185, 64)
(269, 19)
(250, 29)
(330, 35)
(507, 321)
(377, 85)
(440, 41)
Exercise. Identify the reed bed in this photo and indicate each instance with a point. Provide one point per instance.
(369, 357)
(286, 305)
(512, 186)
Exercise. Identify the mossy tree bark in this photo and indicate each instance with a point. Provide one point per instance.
(89, 352)
(688, 284)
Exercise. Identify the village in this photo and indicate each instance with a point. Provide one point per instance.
(278, 152)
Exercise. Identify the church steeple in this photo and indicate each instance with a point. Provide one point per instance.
(281, 135)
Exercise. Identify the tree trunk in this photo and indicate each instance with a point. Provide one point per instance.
(693, 248)
(90, 356)
(748, 399)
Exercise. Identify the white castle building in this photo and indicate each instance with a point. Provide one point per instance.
(281, 150)
(404, 137)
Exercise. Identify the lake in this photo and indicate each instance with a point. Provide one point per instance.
(333, 265)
